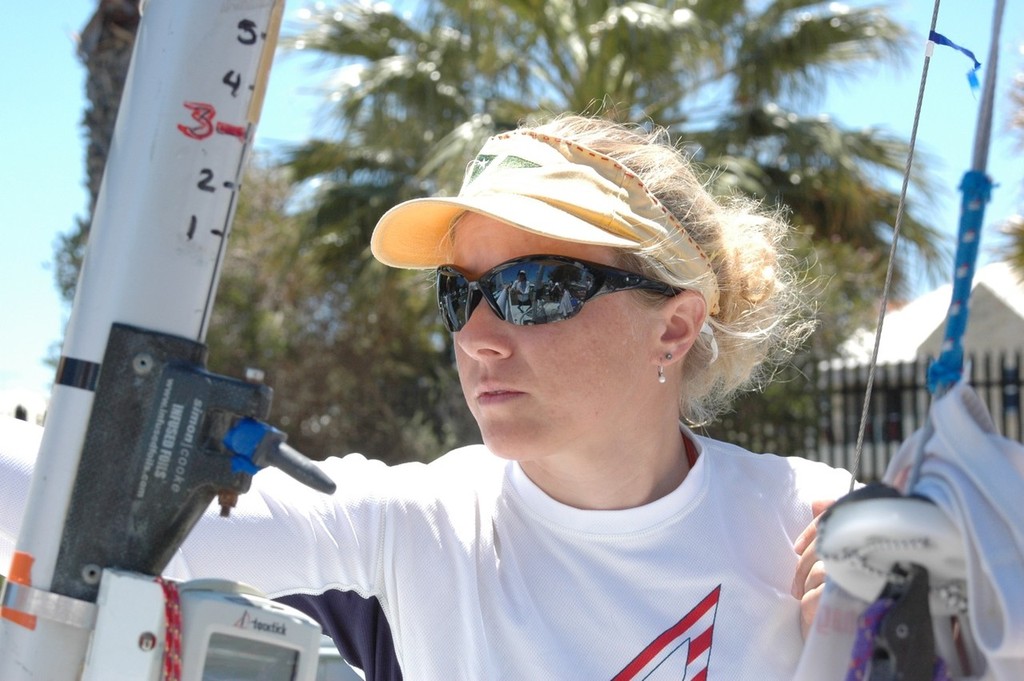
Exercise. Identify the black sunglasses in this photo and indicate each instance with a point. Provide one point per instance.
(533, 289)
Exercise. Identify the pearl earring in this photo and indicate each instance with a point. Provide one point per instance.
(661, 369)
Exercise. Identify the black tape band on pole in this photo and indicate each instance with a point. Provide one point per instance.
(78, 373)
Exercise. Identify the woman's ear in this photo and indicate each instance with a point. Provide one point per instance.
(682, 315)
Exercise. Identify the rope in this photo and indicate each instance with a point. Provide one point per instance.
(864, 644)
(977, 189)
(945, 371)
(873, 363)
(172, 637)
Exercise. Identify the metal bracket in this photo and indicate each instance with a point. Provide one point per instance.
(48, 605)
(904, 642)
(151, 462)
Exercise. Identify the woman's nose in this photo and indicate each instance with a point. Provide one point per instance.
(484, 334)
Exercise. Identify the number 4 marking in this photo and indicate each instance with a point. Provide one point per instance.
(232, 80)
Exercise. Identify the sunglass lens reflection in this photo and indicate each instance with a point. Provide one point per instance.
(456, 301)
(538, 292)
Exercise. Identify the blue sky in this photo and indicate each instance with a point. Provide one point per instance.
(42, 145)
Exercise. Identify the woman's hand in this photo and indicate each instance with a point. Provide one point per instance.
(809, 581)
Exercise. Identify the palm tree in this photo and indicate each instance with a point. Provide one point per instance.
(417, 94)
(105, 48)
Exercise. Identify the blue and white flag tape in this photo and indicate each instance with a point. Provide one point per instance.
(972, 75)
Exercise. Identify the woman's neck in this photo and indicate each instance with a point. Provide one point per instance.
(619, 477)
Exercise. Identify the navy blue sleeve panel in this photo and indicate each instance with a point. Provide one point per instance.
(358, 627)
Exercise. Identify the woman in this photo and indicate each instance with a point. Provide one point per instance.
(591, 536)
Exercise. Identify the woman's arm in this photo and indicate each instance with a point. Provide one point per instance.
(282, 536)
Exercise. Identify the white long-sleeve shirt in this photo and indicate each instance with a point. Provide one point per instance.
(481, 575)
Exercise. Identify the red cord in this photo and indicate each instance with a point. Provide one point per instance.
(172, 639)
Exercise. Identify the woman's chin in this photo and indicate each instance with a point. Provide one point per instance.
(511, 443)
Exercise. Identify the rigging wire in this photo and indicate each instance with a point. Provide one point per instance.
(873, 362)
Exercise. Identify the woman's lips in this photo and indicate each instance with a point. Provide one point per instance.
(496, 396)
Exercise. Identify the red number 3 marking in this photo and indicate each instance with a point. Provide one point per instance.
(203, 115)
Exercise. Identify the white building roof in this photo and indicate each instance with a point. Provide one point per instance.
(995, 321)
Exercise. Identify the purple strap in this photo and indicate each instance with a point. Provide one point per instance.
(864, 644)
(868, 625)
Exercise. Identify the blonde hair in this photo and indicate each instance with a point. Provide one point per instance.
(763, 314)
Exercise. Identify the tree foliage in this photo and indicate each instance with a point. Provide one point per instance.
(414, 96)
(105, 49)
(354, 350)
(350, 372)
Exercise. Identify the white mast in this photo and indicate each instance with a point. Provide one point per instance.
(164, 211)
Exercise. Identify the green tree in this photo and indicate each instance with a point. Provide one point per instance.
(737, 82)
(105, 49)
(417, 94)
(346, 369)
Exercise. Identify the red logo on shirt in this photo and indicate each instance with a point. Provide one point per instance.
(682, 651)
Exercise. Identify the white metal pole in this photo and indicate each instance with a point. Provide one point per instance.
(191, 101)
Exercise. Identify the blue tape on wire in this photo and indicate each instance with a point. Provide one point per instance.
(947, 369)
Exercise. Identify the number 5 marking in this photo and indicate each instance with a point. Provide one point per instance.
(203, 115)
(247, 32)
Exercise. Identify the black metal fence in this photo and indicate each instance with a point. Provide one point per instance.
(899, 406)
(821, 410)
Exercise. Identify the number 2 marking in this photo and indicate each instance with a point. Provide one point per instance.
(204, 183)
